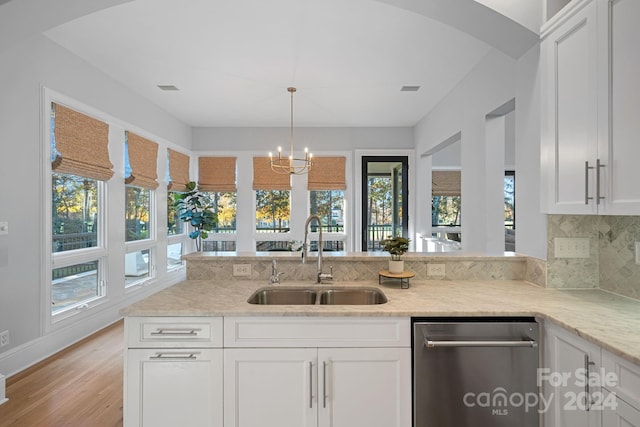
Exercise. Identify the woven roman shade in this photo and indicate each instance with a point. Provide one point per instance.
(178, 170)
(81, 145)
(266, 179)
(217, 174)
(327, 173)
(445, 183)
(143, 160)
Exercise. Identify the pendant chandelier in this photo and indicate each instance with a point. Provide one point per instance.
(291, 165)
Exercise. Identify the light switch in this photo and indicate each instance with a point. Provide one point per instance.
(4, 227)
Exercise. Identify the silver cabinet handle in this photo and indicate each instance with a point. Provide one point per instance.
(598, 167)
(587, 392)
(310, 384)
(174, 355)
(176, 332)
(586, 182)
(324, 384)
(523, 343)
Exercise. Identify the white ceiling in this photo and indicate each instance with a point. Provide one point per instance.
(233, 60)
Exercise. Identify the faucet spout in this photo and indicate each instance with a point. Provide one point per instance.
(320, 275)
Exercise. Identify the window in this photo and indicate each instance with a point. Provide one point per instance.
(217, 178)
(273, 211)
(74, 213)
(79, 166)
(174, 252)
(136, 267)
(326, 184)
(224, 206)
(177, 178)
(141, 180)
(137, 213)
(175, 226)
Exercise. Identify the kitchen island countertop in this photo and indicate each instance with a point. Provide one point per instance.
(608, 320)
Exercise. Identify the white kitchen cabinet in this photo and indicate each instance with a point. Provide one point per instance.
(622, 388)
(624, 415)
(590, 95)
(173, 372)
(569, 96)
(619, 103)
(568, 360)
(346, 372)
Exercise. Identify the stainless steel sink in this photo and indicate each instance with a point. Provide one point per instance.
(283, 296)
(359, 296)
(274, 295)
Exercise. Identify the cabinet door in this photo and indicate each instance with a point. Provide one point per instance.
(569, 115)
(624, 415)
(173, 387)
(364, 387)
(567, 357)
(266, 387)
(620, 148)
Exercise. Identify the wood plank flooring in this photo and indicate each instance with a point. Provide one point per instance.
(80, 386)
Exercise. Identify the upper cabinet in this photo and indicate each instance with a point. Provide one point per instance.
(590, 93)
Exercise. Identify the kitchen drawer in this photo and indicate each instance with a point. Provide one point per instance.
(173, 332)
(626, 383)
(317, 332)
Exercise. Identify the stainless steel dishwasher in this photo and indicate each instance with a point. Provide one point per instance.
(475, 372)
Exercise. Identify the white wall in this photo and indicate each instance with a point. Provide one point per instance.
(261, 139)
(24, 69)
(531, 224)
(491, 84)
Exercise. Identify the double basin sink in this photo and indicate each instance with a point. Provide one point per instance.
(274, 295)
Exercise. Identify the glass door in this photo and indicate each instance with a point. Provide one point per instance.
(385, 190)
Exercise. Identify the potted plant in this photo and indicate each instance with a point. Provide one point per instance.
(195, 208)
(396, 246)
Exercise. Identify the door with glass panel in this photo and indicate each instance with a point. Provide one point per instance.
(385, 189)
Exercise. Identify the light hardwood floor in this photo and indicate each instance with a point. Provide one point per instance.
(77, 387)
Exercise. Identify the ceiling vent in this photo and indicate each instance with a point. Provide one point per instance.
(167, 87)
(409, 88)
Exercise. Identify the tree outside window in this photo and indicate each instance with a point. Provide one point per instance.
(273, 211)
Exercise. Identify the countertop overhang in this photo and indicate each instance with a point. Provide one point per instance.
(606, 319)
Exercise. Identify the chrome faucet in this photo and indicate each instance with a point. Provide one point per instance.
(320, 275)
(274, 279)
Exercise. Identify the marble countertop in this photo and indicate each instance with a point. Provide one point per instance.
(608, 320)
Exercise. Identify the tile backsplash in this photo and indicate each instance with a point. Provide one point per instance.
(611, 264)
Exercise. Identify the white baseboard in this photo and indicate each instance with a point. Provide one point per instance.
(3, 388)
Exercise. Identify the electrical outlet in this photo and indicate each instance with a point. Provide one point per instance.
(638, 253)
(435, 270)
(242, 270)
(4, 227)
(4, 338)
(571, 247)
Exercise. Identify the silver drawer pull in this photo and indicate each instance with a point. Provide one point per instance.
(190, 355)
(432, 344)
(177, 332)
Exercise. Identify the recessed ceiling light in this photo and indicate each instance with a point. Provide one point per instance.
(167, 87)
(409, 88)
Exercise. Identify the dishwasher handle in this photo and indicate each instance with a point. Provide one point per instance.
(452, 343)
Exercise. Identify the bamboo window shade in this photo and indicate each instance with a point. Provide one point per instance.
(217, 174)
(446, 183)
(178, 171)
(266, 179)
(143, 159)
(82, 145)
(327, 173)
